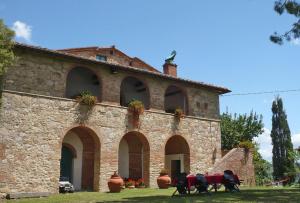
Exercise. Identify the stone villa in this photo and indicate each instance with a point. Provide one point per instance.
(45, 133)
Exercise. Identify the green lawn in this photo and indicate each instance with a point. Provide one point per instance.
(256, 194)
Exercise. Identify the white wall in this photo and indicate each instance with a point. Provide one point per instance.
(123, 163)
(73, 139)
(171, 157)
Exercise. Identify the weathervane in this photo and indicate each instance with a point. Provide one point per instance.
(171, 58)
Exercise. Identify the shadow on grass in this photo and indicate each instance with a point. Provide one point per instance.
(249, 195)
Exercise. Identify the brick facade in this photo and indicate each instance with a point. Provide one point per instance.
(240, 161)
(36, 116)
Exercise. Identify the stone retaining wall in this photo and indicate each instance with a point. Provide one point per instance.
(32, 129)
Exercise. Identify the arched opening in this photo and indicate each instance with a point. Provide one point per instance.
(177, 156)
(82, 79)
(67, 164)
(134, 157)
(80, 158)
(175, 98)
(132, 88)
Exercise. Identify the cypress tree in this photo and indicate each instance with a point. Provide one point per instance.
(283, 160)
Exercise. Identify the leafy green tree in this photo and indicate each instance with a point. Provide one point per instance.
(239, 128)
(263, 169)
(283, 153)
(291, 7)
(6, 50)
(6, 45)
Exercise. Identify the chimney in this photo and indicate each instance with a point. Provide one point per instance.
(170, 69)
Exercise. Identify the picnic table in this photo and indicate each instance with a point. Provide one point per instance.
(214, 180)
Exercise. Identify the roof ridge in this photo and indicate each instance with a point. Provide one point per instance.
(222, 90)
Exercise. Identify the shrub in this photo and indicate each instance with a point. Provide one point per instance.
(136, 107)
(246, 145)
(86, 98)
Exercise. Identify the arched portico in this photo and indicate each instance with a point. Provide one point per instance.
(177, 156)
(134, 157)
(175, 98)
(81, 79)
(133, 88)
(80, 158)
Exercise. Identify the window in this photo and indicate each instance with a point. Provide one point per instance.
(101, 58)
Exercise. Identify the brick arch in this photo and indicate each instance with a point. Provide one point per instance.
(147, 93)
(139, 155)
(177, 145)
(89, 128)
(182, 91)
(90, 156)
(92, 71)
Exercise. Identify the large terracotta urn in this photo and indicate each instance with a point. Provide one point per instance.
(115, 183)
(163, 181)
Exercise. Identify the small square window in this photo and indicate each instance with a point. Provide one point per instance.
(101, 58)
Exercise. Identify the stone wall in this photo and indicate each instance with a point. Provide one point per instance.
(33, 127)
(240, 161)
(46, 75)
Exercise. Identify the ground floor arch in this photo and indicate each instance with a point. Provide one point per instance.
(80, 158)
(134, 157)
(177, 156)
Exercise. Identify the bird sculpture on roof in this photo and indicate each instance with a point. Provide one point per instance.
(171, 58)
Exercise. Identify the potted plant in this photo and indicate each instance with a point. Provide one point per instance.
(178, 114)
(140, 183)
(130, 184)
(86, 98)
(163, 181)
(115, 183)
(136, 108)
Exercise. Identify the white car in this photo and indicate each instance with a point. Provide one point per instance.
(65, 185)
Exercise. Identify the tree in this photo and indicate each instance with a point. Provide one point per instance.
(243, 128)
(239, 128)
(6, 50)
(283, 153)
(292, 7)
(262, 168)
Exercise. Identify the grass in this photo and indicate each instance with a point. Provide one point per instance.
(256, 194)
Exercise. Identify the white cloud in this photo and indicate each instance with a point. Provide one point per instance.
(22, 30)
(295, 41)
(265, 143)
(296, 140)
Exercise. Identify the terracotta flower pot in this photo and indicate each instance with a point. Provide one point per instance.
(135, 120)
(163, 181)
(115, 183)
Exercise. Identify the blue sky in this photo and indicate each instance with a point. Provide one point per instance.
(221, 42)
